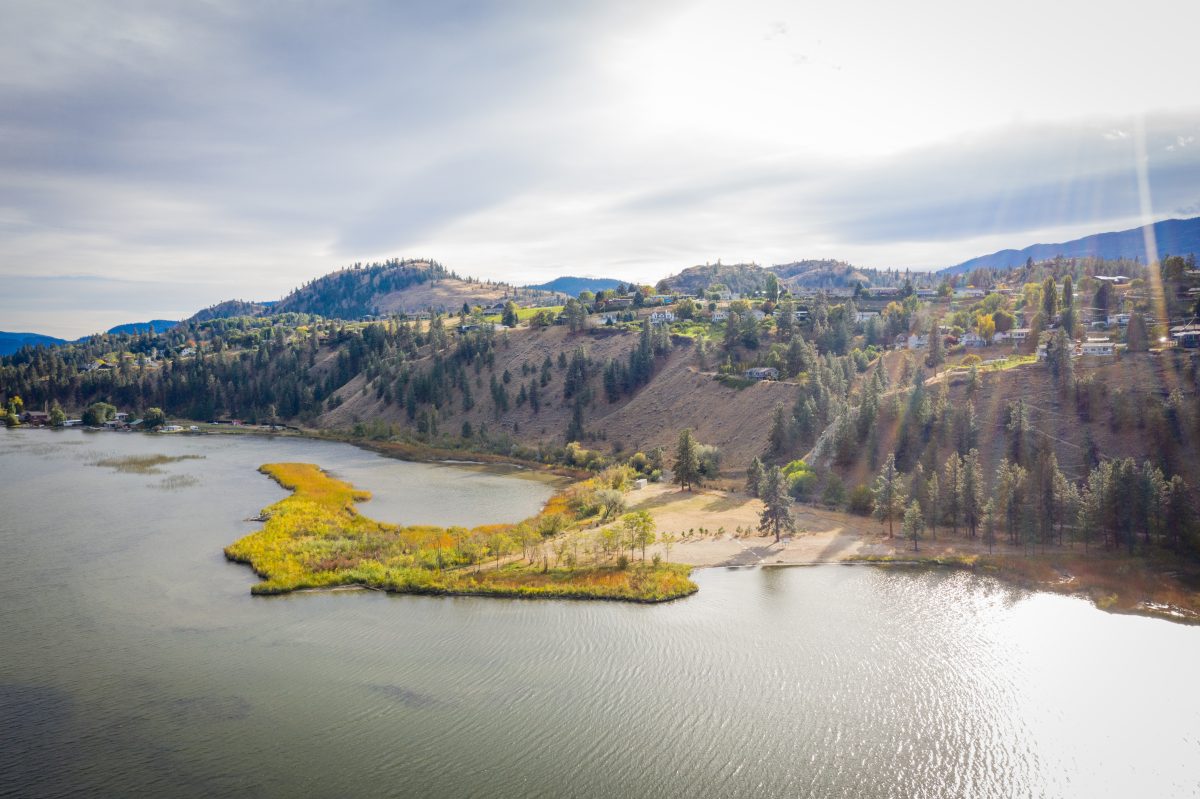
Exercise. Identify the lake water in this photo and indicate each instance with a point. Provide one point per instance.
(135, 662)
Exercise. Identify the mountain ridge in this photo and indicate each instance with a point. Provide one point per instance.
(1172, 236)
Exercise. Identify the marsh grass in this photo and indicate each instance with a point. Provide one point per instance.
(316, 538)
(176, 481)
(144, 464)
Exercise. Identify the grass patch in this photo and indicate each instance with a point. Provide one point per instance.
(144, 464)
(315, 538)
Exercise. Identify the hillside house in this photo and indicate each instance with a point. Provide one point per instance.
(865, 316)
(617, 303)
(1018, 334)
(662, 317)
(720, 315)
(1121, 319)
(1097, 347)
(972, 339)
(761, 373)
(1186, 336)
(917, 342)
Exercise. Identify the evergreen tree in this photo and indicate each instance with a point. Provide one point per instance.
(776, 515)
(687, 461)
(889, 493)
(914, 520)
(754, 476)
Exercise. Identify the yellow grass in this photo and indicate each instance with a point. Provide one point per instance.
(316, 538)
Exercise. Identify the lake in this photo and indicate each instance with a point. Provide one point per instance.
(135, 662)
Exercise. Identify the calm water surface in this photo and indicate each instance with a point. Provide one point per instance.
(134, 662)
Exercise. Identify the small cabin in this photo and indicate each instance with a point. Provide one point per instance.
(761, 373)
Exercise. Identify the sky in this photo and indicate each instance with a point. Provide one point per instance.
(158, 157)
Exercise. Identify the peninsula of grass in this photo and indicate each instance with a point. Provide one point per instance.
(315, 538)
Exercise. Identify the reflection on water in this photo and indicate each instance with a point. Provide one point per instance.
(133, 661)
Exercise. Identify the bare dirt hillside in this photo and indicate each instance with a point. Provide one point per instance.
(678, 396)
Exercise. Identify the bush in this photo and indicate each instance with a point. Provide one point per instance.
(802, 485)
(862, 501)
(710, 460)
(835, 492)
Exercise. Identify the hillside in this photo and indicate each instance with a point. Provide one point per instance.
(679, 395)
(574, 286)
(1172, 236)
(11, 342)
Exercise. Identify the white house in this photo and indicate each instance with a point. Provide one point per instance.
(1097, 347)
(864, 316)
(720, 315)
(916, 342)
(762, 373)
(1121, 319)
(662, 317)
(1018, 334)
(972, 339)
(970, 293)
(999, 336)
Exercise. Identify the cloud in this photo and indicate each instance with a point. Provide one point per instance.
(246, 148)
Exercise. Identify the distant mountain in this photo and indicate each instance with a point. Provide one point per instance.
(11, 342)
(153, 326)
(1172, 236)
(574, 286)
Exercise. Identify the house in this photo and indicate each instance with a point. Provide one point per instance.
(757, 314)
(1186, 335)
(36, 418)
(1121, 319)
(92, 366)
(662, 317)
(720, 315)
(72, 422)
(917, 342)
(927, 294)
(171, 428)
(901, 341)
(121, 416)
(659, 299)
(999, 337)
(865, 316)
(969, 294)
(187, 352)
(761, 373)
(973, 339)
(1018, 334)
(616, 303)
(1097, 347)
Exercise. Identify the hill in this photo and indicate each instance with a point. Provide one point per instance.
(133, 328)
(11, 342)
(377, 289)
(1172, 236)
(798, 275)
(229, 309)
(574, 286)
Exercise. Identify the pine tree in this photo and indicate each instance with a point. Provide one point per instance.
(687, 461)
(889, 493)
(754, 476)
(913, 522)
(776, 515)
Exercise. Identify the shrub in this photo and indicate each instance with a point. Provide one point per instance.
(862, 501)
